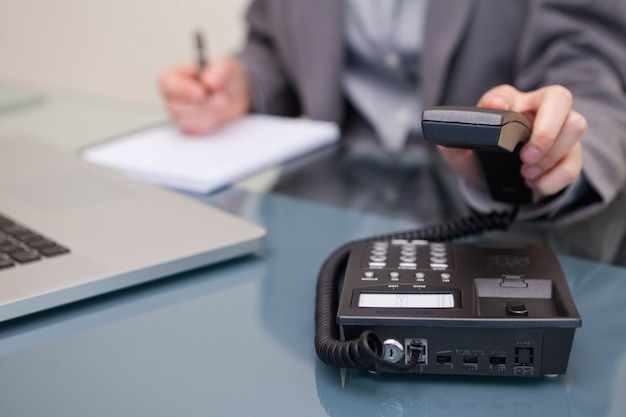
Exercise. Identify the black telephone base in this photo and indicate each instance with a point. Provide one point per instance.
(463, 309)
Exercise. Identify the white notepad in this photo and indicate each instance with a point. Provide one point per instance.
(202, 164)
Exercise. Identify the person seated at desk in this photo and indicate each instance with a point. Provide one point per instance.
(379, 63)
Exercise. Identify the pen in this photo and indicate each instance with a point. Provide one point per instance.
(201, 53)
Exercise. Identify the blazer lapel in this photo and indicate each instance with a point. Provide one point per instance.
(446, 22)
(319, 54)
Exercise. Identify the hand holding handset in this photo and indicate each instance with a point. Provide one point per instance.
(497, 137)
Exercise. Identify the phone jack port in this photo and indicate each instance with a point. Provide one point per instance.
(416, 346)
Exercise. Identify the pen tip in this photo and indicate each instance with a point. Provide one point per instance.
(199, 38)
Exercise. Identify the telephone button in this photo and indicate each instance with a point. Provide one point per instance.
(378, 258)
(516, 309)
(369, 276)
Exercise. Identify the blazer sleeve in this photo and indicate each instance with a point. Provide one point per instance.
(582, 46)
(262, 57)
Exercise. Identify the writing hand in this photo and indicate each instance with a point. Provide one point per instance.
(219, 95)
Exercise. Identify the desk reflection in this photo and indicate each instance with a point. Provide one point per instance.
(419, 187)
(367, 395)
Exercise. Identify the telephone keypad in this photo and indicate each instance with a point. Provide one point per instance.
(401, 255)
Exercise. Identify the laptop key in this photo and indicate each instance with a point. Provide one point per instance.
(30, 237)
(24, 256)
(5, 263)
(53, 250)
(14, 229)
(41, 243)
(19, 244)
(12, 248)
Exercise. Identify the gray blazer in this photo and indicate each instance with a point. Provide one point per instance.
(294, 54)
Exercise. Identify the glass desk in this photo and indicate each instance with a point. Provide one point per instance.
(73, 122)
(16, 99)
(236, 339)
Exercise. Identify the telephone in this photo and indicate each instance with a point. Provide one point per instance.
(415, 302)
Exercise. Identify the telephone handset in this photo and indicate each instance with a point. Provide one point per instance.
(495, 135)
(444, 308)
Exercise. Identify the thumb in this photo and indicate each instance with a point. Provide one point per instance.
(501, 97)
(216, 74)
(226, 76)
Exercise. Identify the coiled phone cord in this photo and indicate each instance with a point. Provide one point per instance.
(367, 351)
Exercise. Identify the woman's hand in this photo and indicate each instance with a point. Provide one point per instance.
(201, 102)
(552, 157)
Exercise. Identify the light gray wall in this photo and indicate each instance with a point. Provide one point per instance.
(109, 48)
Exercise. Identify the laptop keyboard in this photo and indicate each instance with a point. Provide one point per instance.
(20, 245)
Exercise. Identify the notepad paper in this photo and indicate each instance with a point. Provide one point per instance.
(202, 164)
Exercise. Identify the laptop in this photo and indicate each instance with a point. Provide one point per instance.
(70, 230)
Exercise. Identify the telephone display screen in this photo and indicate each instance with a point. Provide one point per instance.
(406, 300)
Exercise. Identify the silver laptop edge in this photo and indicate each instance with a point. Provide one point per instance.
(120, 232)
